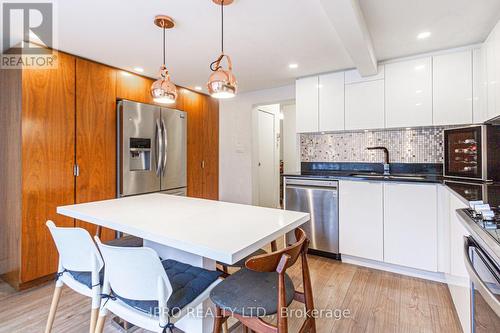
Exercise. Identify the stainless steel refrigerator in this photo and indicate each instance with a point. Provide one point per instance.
(152, 147)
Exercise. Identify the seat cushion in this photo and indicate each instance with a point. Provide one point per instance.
(251, 293)
(187, 281)
(86, 277)
(126, 241)
(242, 262)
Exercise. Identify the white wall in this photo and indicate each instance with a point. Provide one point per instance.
(291, 143)
(235, 141)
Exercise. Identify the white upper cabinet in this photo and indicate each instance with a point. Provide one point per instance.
(408, 93)
(361, 228)
(479, 85)
(364, 105)
(410, 225)
(452, 86)
(492, 46)
(353, 76)
(331, 102)
(306, 101)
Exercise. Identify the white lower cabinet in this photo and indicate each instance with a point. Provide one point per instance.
(410, 225)
(458, 281)
(361, 219)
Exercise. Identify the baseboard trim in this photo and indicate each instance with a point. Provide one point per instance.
(433, 276)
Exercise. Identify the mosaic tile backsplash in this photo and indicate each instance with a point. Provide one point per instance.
(416, 145)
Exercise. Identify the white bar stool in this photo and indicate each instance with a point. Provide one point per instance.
(147, 292)
(80, 266)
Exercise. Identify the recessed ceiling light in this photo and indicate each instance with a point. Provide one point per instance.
(424, 35)
(198, 88)
(419, 67)
(139, 69)
(293, 66)
(419, 91)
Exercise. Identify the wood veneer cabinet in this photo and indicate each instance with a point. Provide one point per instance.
(203, 144)
(54, 120)
(95, 136)
(39, 130)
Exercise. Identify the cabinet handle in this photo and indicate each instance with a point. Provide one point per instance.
(76, 170)
(203, 164)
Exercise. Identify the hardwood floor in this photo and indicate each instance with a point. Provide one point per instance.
(375, 301)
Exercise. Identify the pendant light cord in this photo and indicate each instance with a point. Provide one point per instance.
(212, 65)
(164, 47)
(222, 25)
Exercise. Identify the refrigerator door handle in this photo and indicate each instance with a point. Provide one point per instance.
(158, 147)
(165, 146)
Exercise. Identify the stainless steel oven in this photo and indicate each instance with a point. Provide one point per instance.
(484, 274)
(472, 152)
(320, 199)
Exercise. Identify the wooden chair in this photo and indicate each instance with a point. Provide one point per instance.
(241, 263)
(250, 294)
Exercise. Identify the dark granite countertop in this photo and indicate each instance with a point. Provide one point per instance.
(473, 191)
(368, 176)
(402, 172)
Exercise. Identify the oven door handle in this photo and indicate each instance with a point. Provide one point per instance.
(487, 294)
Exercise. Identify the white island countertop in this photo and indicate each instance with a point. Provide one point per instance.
(221, 231)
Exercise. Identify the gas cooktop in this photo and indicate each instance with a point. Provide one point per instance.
(490, 225)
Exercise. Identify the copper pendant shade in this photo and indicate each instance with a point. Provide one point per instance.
(222, 82)
(163, 90)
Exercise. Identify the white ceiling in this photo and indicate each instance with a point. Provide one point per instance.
(394, 24)
(261, 36)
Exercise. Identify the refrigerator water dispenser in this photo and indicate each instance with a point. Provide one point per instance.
(140, 154)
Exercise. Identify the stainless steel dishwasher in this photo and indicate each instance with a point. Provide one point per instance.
(320, 199)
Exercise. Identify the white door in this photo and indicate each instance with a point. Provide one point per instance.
(267, 169)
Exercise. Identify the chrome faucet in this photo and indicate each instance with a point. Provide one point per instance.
(387, 167)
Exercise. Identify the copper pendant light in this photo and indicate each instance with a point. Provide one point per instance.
(222, 82)
(163, 90)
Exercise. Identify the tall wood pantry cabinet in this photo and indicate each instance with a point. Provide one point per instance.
(54, 120)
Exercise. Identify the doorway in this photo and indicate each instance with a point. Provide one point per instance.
(267, 148)
(275, 151)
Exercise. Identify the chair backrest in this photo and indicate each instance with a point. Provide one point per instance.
(135, 273)
(77, 250)
(269, 262)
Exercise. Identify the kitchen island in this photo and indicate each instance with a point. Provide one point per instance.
(194, 231)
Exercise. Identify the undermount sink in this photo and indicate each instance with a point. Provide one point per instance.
(394, 177)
